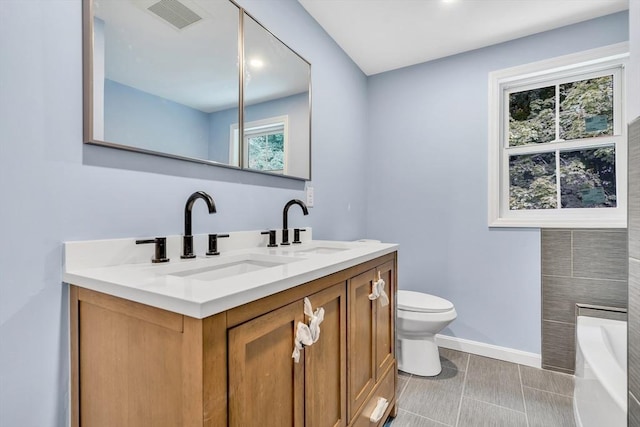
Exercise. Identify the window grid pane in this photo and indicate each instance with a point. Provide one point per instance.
(532, 116)
(587, 178)
(532, 181)
(586, 108)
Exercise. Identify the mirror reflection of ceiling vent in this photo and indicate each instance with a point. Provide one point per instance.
(175, 13)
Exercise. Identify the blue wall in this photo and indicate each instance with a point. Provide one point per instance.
(428, 137)
(137, 118)
(219, 127)
(53, 188)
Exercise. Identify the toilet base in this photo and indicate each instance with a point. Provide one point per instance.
(419, 357)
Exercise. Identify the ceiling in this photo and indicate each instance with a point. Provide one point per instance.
(383, 35)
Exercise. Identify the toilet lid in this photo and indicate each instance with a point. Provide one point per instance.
(423, 303)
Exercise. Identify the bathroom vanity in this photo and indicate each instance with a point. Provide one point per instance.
(209, 342)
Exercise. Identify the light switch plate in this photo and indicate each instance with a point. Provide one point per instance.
(309, 191)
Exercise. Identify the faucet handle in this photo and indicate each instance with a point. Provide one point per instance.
(160, 251)
(296, 235)
(272, 238)
(213, 243)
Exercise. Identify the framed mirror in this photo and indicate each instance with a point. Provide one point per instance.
(164, 77)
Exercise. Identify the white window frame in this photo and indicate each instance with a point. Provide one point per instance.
(592, 62)
(254, 128)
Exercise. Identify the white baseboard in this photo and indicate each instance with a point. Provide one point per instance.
(488, 350)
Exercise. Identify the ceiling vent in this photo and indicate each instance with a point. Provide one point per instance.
(175, 13)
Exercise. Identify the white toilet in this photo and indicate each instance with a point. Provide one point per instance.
(420, 317)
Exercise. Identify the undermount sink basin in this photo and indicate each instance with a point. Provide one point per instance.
(321, 250)
(221, 268)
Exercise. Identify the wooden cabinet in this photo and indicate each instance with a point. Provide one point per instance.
(135, 365)
(268, 388)
(326, 362)
(385, 321)
(371, 333)
(362, 376)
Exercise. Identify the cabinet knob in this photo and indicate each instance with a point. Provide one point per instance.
(306, 335)
(378, 292)
(379, 410)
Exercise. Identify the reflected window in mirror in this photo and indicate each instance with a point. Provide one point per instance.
(265, 144)
(276, 85)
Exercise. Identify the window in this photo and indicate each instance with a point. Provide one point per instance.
(264, 147)
(557, 142)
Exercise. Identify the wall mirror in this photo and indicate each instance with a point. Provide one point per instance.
(167, 77)
(276, 106)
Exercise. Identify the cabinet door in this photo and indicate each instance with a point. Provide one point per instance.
(385, 321)
(326, 363)
(135, 365)
(266, 386)
(130, 370)
(361, 333)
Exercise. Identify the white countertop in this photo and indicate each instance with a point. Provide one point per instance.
(198, 287)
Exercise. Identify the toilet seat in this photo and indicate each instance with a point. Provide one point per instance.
(422, 303)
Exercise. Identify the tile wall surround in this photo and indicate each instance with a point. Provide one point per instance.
(634, 273)
(586, 266)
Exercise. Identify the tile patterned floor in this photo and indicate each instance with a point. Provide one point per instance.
(477, 391)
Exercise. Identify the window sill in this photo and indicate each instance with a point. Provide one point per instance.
(541, 222)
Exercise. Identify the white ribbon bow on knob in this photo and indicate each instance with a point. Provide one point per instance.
(306, 335)
(377, 292)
